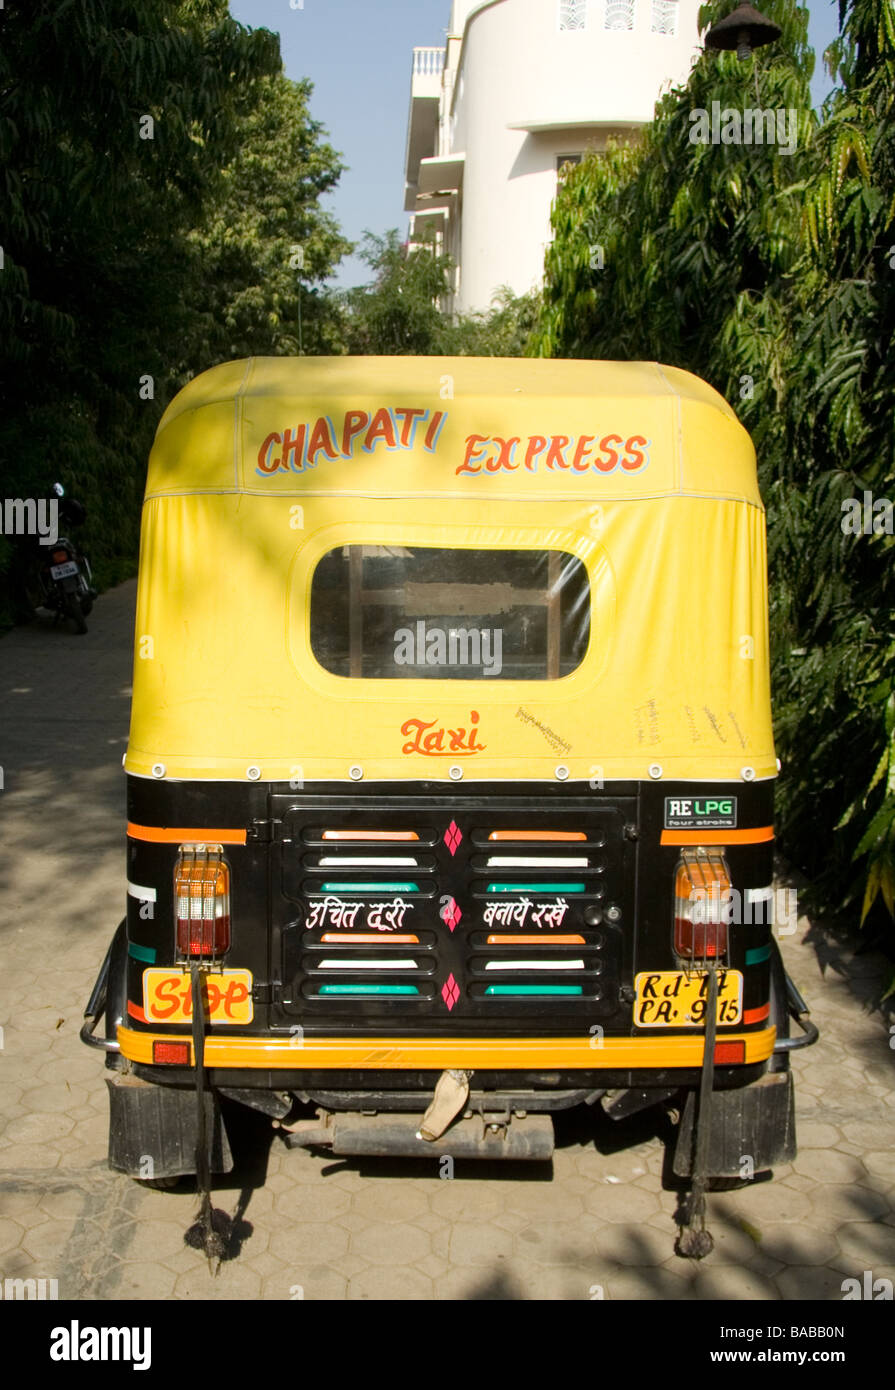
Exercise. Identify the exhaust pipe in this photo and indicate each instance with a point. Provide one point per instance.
(525, 1138)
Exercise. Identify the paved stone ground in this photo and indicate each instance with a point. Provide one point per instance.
(599, 1225)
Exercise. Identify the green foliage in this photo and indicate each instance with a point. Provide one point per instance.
(504, 331)
(772, 275)
(398, 312)
(131, 263)
(265, 249)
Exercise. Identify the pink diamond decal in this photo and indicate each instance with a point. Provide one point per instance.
(450, 991)
(452, 837)
(451, 913)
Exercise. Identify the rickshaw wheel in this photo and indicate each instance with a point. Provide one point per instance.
(73, 611)
(160, 1184)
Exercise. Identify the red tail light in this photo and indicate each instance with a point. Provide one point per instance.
(202, 901)
(59, 557)
(701, 904)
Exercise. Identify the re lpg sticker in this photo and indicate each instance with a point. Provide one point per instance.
(700, 812)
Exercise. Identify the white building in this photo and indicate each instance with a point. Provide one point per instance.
(520, 87)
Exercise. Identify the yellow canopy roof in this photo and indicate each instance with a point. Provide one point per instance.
(395, 426)
(642, 472)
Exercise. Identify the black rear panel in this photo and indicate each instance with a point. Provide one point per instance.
(437, 958)
(454, 914)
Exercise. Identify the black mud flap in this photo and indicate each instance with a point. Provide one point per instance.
(153, 1129)
(752, 1129)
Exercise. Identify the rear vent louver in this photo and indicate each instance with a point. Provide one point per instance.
(530, 885)
(455, 917)
(364, 889)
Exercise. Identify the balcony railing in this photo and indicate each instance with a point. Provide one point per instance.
(428, 62)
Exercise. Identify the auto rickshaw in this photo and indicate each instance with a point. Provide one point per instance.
(450, 773)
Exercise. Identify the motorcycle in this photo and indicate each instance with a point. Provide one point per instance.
(59, 577)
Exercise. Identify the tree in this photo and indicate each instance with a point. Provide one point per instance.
(398, 312)
(503, 331)
(266, 248)
(147, 233)
(842, 418)
(771, 275)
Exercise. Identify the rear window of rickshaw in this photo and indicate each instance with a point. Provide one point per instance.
(391, 612)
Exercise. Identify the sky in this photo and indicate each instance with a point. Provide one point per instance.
(357, 53)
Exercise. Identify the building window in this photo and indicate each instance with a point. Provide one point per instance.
(562, 160)
(619, 14)
(572, 14)
(664, 19)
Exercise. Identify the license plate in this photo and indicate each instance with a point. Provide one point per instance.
(63, 571)
(167, 996)
(676, 999)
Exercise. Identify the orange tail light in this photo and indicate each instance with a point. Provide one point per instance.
(701, 904)
(202, 901)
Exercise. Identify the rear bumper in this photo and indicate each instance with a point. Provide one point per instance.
(590, 1054)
